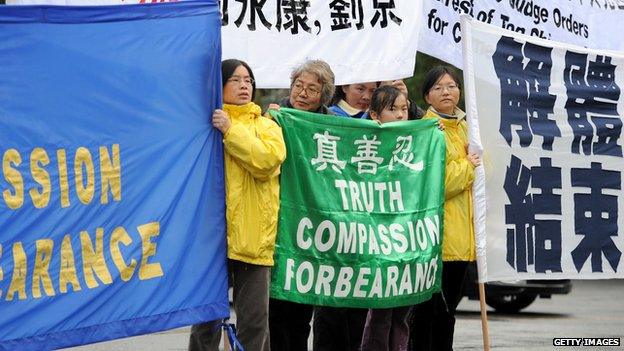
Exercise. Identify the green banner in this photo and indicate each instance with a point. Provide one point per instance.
(361, 211)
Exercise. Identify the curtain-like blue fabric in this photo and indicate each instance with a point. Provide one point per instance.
(111, 195)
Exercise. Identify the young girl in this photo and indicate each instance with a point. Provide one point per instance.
(388, 104)
(387, 329)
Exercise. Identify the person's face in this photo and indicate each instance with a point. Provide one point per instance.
(305, 92)
(238, 88)
(444, 95)
(396, 112)
(359, 95)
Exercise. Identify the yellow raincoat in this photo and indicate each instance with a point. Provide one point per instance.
(458, 241)
(254, 150)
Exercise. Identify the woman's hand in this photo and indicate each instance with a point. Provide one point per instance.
(274, 107)
(474, 159)
(440, 125)
(221, 121)
(399, 84)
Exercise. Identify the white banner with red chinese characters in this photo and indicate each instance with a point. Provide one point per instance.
(547, 117)
(362, 40)
(596, 24)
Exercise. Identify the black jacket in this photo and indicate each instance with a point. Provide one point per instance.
(285, 102)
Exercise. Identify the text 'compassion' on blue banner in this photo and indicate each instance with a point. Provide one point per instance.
(111, 205)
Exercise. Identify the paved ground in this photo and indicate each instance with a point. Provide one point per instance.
(592, 309)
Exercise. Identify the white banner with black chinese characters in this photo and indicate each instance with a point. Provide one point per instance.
(596, 24)
(547, 117)
(362, 40)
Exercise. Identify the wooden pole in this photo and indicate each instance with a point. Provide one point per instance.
(484, 322)
(226, 340)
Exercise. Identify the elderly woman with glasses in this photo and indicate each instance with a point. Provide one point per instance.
(433, 322)
(311, 88)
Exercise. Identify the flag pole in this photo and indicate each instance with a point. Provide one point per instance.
(226, 341)
(478, 186)
(484, 321)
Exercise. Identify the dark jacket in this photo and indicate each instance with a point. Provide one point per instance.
(285, 102)
(414, 111)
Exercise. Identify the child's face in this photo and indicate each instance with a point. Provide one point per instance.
(396, 112)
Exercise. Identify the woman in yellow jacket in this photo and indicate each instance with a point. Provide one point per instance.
(254, 149)
(433, 322)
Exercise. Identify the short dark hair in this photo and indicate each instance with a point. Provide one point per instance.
(383, 97)
(338, 95)
(435, 74)
(227, 70)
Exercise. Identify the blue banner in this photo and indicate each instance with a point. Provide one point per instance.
(112, 197)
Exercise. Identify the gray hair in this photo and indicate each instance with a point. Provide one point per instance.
(324, 74)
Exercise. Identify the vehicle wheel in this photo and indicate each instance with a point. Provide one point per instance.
(510, 303)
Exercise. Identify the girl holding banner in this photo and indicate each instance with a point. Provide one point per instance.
(253, 152)
(336, 328)
(387, 329)
(433, 322)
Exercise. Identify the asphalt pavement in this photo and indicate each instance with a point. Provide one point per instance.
(592, 309)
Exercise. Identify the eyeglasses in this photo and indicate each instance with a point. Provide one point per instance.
(312, 92)
(439, 88)
(240, 80)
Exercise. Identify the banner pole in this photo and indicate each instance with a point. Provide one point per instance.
(226, 340)
(478, 186)
(484, 322)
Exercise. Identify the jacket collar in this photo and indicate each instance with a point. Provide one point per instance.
(249, 111)
(458, 114)
(322, 109)
(448, 120)
(350, 110)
